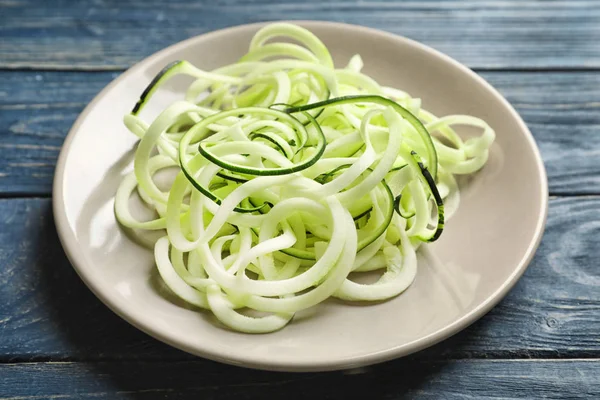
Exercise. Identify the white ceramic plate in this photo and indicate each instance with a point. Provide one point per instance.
(485, 249)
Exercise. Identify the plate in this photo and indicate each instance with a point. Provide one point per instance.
(485, 249)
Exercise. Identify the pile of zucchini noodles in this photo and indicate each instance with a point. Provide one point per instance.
(292, 175)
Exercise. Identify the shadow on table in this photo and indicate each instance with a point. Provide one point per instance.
(121, 360)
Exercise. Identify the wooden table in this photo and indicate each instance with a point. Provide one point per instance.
(57, 341)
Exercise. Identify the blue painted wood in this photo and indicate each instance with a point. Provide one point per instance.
(483, 34)
(37, 110)
(46, 312)
(433, 380)
(43, 89)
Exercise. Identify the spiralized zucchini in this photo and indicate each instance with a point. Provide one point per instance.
(293, 178)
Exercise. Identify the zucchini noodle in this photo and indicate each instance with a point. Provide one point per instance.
(293, 177)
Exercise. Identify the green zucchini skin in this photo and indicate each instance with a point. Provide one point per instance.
(436, 196)
(397, 208)
(153, 83)
(208, 193)
(259, 135)
(271, 171)
(410, 117)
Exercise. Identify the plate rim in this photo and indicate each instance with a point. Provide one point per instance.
(75, 256)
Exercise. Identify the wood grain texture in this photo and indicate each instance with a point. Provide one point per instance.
(110, 34)
(38, 108)
(46, 312)
(452, 379)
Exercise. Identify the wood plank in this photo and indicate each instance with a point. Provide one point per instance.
(38, 108)
(561, 110)
(45, 89)
(482, 34)
(46, 312)
(452, 379)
